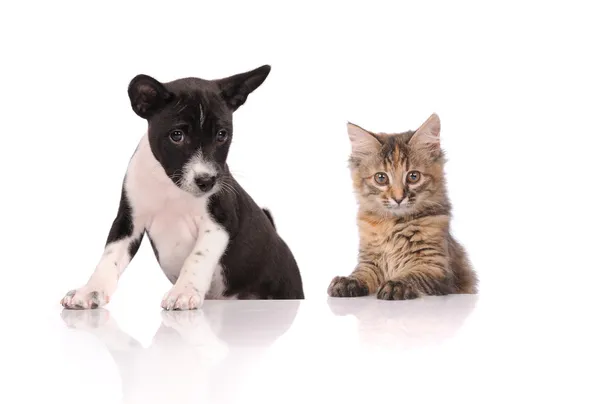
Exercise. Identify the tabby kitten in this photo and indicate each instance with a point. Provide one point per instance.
(406, 249)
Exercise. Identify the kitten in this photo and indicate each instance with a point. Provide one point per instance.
(406, 249)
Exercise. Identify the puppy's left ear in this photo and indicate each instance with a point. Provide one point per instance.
(235, 89)
(147, 95)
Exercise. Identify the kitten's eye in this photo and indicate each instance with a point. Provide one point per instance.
(381, 178)
(413, 177)
(222, 136)
(176, 136)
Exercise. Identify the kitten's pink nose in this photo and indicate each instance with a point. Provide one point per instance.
(397, 200)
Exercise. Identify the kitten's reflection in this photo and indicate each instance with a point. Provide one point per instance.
(194, 355)
(406, 324)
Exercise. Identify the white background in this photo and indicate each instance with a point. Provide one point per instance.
(516, 84)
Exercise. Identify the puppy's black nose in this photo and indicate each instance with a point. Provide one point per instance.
(205, 182)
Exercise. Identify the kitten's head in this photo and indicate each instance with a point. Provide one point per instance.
(398, 174)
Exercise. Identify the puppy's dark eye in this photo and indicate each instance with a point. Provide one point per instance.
(222, 135)
(413, 177)
(381, 178)
(176, 136)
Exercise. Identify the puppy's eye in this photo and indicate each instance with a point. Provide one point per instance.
(176, 136)
(222, 135)
(381, 178)
(413, 177)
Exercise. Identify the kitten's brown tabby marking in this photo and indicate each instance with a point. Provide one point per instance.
(406, 249)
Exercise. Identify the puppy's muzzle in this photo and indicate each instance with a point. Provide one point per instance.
(205, 182)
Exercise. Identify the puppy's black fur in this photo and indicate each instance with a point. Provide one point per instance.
(257, 261)
(193, 115)
(268, 213)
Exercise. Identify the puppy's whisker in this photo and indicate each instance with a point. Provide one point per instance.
(229, 188)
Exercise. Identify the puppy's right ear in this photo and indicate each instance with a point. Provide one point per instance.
(147, 95)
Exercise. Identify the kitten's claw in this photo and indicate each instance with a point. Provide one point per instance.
(343, 286)
(397, 290)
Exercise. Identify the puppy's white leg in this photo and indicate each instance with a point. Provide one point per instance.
(122, 244)
(198, 269)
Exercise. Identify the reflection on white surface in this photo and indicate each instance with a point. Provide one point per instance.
(195, 356)
(455, 349)
(408, 324)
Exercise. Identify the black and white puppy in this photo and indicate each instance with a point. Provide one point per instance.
(210, 238)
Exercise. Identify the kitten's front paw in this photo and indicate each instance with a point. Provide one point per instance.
(86, 297)
(343, 286)
(397, 290)
(182, 298)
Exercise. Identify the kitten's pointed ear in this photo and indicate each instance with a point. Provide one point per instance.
(235, 89)
(363, 142)
(147, 95)
(428, 134)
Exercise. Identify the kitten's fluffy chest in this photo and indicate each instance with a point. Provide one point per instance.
(394, 241)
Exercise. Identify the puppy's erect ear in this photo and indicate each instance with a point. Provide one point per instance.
(147, 95)
(235, 89)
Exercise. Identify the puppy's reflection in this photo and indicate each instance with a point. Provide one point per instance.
(406, 324)
(194, 355)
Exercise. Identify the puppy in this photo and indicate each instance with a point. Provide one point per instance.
(210, 238)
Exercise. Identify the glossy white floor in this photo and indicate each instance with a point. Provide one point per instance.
(471, 349)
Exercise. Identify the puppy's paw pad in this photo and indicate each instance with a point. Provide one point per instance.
(182, 299)
(397, 290)
(343, 286)
(85, 298)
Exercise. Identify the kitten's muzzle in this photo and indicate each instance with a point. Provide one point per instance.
(205, 182)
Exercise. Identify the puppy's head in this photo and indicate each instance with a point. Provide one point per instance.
(190, 123)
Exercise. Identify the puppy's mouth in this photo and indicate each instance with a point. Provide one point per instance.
(200, 185)
(200, 177)
(204, 187)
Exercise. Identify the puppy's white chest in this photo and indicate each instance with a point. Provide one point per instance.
(173, 234)
(173, 218)
(173, 226)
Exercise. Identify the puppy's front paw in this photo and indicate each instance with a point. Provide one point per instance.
(343, 286)
(397, 290)
(85, 297)
(182, 298)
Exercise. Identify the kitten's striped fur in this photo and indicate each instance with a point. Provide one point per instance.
(406, 248)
